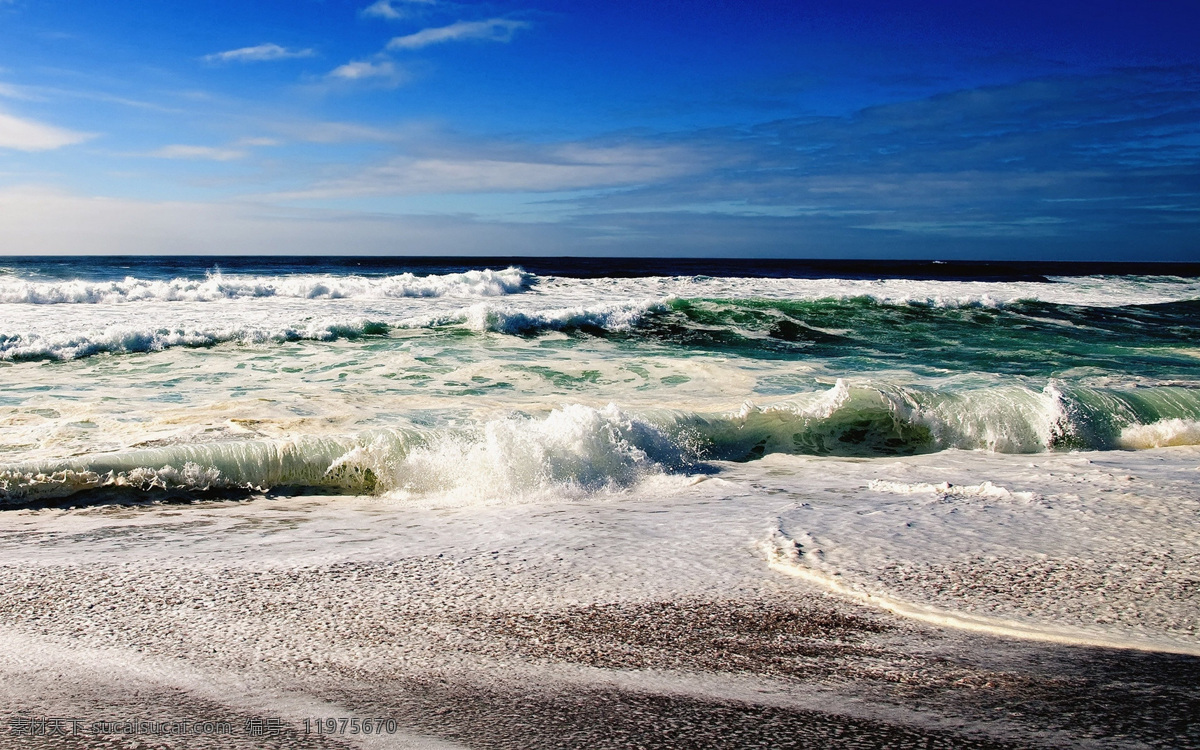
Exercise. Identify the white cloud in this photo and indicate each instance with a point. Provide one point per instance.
(565, 167)
(337, 132)
(207, 153)
(383, 72)
(9, 91)
(258, 141)
(258, 53)
(491, 30)
(27, 135)
(387, 8)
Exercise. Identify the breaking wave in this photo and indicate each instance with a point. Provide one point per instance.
(889, 420)
(1027, 338)
(828, 326)
(602, 319)
(217, 286)
(1160, 434)
(120, 339)
(574, 450)
(579, 449)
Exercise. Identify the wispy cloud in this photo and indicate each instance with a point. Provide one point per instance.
(382, 72)
(389, 8)
(200, 153)
(993, 163)
(491, 30)
(258, 141)
(562, 167)
(9, 91)
(27, 135)
(258, 53)
(337, 132)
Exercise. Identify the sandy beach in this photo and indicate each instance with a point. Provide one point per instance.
(647, 619)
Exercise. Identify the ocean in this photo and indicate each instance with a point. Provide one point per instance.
(1000, 448)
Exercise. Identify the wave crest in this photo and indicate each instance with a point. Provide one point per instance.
(1160, 434)
(573, 451)
(127, 339)
(217, 286)
(489, 317)
(578, 449)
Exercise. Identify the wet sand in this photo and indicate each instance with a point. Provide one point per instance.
(459, 656)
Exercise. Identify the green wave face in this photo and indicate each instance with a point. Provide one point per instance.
(892, 420)
(1034, 339)
(580, 448)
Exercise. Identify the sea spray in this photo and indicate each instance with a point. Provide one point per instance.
(578, 449)
(574, 450)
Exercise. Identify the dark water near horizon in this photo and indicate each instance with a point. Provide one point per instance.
(163, 267)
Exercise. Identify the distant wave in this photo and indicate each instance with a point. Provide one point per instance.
(579, 449)
(217, 286)
(129, 339)
(603, 318)
(857, 326)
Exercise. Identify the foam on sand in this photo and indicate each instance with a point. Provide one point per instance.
(1097, 548)
(785, 555)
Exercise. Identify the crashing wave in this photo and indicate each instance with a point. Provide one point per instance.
(1160, 434)
(128, 339)
(489, 317)
(217, 286)
(579, 449)
(574, 450)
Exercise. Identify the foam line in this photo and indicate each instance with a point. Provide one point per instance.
(783, 556)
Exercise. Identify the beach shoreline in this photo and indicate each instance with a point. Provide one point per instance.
(476, 626)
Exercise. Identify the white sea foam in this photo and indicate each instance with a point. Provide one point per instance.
(574, 450)
(618, 316)
(499, 318)
(217, 286)
(1062, 546)
(945, 490)
(1162, 433)
(1083, 291)
(119, 339)
(785, 555)
(563, 292)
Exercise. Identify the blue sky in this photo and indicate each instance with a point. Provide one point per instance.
(806, 129)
